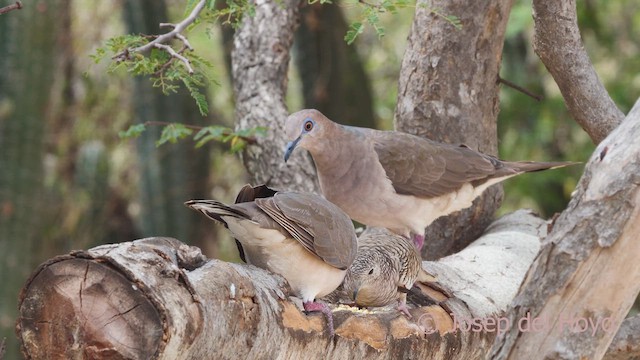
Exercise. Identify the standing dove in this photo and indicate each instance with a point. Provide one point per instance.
(386, 267)
(395, 180)
(301, 236)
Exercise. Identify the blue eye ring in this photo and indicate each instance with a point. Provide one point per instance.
(308, 125)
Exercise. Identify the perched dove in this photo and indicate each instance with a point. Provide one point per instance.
(303, 237)
(386, 267)
(396, 180)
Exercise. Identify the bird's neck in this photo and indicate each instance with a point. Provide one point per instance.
(334, 156)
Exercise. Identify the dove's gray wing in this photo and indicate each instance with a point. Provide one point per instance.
(318, 225)
(426, 169)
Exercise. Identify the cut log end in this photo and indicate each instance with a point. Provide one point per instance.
(86, 309)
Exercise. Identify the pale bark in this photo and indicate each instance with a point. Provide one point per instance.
(448, 91)
(158, 298)
(626, 343)
(558, 43)
(260, 60)
(587, 267)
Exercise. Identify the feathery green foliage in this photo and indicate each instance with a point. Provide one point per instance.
(173, 132)
(370, 15)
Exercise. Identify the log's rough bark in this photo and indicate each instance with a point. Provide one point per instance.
(626, 343)
(159, 298)
(260, 60)
(587, 268)
(448, 92)
(558, 43)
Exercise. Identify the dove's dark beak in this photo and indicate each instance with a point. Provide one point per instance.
(289, 148)
(355, 294)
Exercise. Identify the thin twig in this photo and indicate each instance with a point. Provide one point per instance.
(159, 42)
(520, 88)
(6, 9)
(174, 54)
(250, 140)
(165, 123)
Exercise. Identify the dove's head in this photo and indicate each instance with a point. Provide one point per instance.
(305, 129)
(372, 280)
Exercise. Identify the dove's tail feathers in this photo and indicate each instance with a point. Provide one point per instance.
(215, 210)
(249, 193)
(530, 166)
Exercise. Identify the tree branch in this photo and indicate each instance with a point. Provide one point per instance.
(626, 343)
(558, 43)
(584, 272)
(160, 41)
(447, 91)
(520, 89)
(6, 9)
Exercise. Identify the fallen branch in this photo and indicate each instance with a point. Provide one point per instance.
(159, 298)
(585, 271)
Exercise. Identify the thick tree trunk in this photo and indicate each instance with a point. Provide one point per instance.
(586, 273)
(332, 73)
(448, 91)
(169, 175)
(260, 64)
(159, 298)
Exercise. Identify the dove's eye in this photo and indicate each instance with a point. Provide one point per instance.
(371, 272)
(308, 125)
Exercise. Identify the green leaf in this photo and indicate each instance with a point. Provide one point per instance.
(237, 144)
(355, 29)
(173, 132)
(99, 55)
(210, 133)
(132, 132)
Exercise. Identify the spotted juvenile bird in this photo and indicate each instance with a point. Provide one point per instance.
(303, 237)
(386, 267)
(396, 180)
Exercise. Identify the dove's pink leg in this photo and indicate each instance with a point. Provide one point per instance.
(402, 305)
(322, 307)
(418, 241)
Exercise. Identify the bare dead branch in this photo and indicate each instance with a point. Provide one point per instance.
(626, 343)
(558, 43)
(6, 9)
(520, 89)
(160, 41)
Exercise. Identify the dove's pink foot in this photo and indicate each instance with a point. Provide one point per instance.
(322, 307)
(402, 305)
(418, 241)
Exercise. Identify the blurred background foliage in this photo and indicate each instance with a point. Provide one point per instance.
(68, 182)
